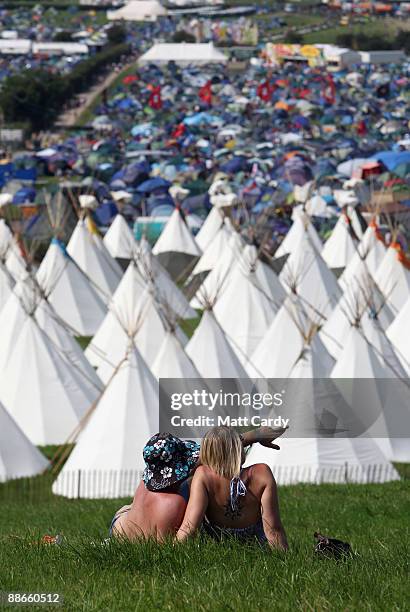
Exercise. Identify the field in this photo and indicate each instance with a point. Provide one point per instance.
(202, 575)
(383, 28)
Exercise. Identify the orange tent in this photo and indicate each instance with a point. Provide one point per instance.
(280, 105)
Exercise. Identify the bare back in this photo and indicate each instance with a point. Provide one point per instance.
(210, 498)
(248, 508)
(152, 515)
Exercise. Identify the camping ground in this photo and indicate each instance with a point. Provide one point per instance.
(92, 575)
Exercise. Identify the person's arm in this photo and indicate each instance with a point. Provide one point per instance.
(272, 525)
(197, 505)
(264, 435)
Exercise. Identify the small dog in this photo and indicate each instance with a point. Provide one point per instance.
(332, 548)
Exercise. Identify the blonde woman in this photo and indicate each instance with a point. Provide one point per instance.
(230, 500)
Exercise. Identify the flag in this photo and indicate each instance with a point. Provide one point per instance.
(205, 93)
(155, 100)
(265, 91)
(329, 90)
(178, 131)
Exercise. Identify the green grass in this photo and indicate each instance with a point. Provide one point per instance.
(300, 20)
(203, 575)
(385, 28)
(84, 341)
(188, 326)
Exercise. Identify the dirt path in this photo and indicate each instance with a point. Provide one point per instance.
(86, 99)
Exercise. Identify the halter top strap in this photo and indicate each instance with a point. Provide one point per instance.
(237, 489)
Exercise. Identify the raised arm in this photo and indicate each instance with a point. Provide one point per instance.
(272, 525)
(264, 435)
(197, 505)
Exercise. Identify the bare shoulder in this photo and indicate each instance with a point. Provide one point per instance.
(171, 506)
(203, 472)
(261, 473)
(170, 513)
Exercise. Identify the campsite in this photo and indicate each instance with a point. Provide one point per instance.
(204, 223)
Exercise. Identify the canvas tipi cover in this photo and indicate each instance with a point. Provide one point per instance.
(176, 247)
(306, 273)
(119, 239)
(318, 458)
(70, 292)
(45, 394)
(340, 247)
(172, 361)
(245, 311)
(399, 333)
(209, 228)
(18, 456)
(300, 226)
(107, 460)
(393, 278)
(385, 403)
(282, 344)
(104, 273)
(211, 352)
(168, 292)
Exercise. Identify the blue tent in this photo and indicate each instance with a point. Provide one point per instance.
(105, 213)
(234, 165)
(135, 173)
(163, 199)
(392, 159)
(6, 171)
(25, 174)
(154, 184)
(23, 195)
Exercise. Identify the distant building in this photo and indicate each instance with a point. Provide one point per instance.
(382, 57)
(183, 53)
(138, 10)
(339, 58)
(23, 46)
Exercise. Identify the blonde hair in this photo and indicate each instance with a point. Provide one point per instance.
(222, 451)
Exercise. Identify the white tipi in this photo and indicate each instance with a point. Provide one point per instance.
(6, 285)
(393, 277)
(124, 307)
(209, 228)
(213, 252)
(70, 292)
(300, 226)
(366, 260)
(6, 238)
(306, 273)
(107, 460)
(340, 247)
(316, 408)
(399, 333)
(176, 247)
(172, 360)
(19, 458)
(383, 402)
(211, 352)
(254, 311)
(168, 292)
(46, 394)
(216, 281)
(120, 240)
(282, 344)
(99, 267)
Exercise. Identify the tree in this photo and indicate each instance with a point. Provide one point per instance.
(182, 36)
(35, 96)
(116, 34)
(63, 36)
(293, 38)
(402, 41)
